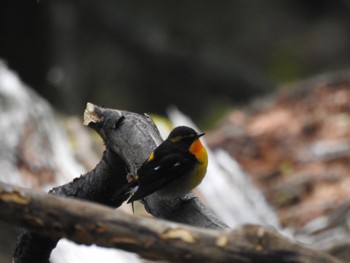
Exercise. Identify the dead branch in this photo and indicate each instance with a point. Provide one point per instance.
(89, 223)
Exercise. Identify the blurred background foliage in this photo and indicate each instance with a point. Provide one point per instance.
(202, 56)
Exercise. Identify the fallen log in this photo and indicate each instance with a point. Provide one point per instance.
(155, 239)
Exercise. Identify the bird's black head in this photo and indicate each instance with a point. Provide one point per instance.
(183, 134)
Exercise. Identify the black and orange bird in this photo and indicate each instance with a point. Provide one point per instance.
(173, 169)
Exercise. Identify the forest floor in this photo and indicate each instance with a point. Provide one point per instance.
(296, 147)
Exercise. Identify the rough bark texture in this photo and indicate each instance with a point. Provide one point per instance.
(98, 185)
(89, 223)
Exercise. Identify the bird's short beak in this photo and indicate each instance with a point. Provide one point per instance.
(200, 134)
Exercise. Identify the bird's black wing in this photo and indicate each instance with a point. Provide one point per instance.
(165, 168)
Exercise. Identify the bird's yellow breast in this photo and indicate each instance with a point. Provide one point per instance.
(199, 151)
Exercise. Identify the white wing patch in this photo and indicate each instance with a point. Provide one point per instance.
(177, 164)
(159, 166)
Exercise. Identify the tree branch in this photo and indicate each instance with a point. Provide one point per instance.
(97, 185)
(89, 223)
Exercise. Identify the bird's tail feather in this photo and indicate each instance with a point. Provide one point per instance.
(127, 190)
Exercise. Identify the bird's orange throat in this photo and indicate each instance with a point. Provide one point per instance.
(198, 150)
